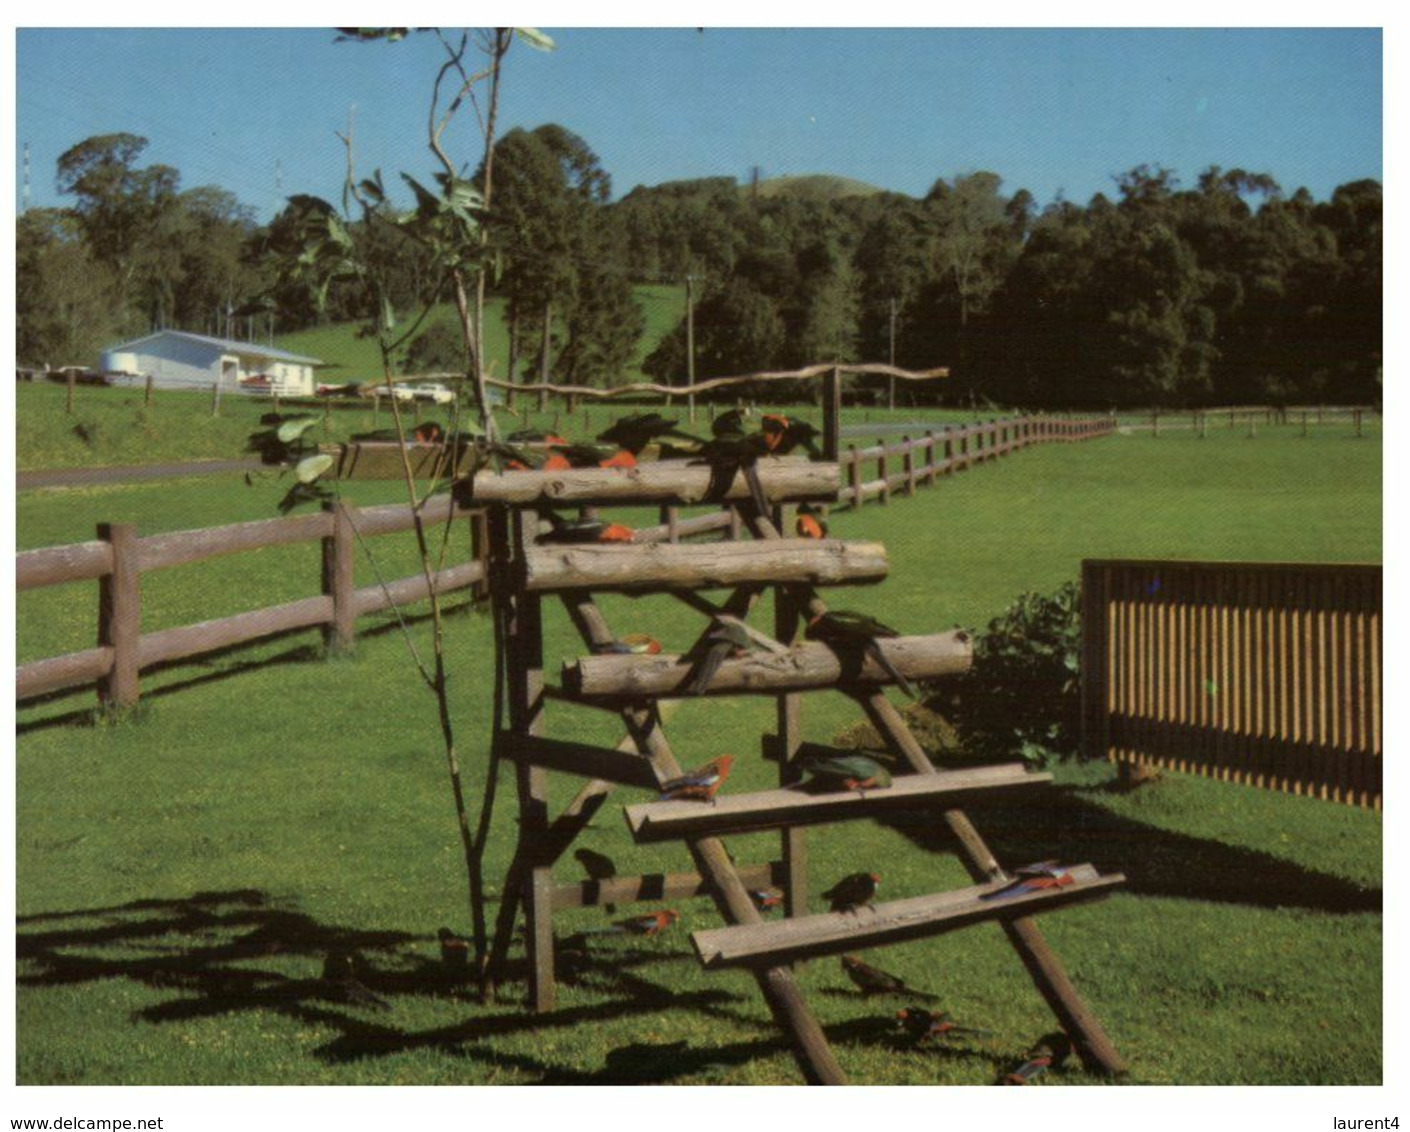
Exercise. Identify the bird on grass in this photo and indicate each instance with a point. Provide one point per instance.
(583, 530)
(853, 892)
(724, 639)
(632, 434)
(844, 630)
(700, 784)
(830, 770)
(340, 983)
(926, 1027)
(766, 899)
(810, 522)
(455, 952)
(873, 980)
(783, 434)
(1052, 1050)
(1037, 877)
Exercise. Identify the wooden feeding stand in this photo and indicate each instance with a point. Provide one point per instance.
(784, 667)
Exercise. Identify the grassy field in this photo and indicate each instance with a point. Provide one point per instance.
(181, 874)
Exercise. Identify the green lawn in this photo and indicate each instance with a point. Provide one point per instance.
(181, 874)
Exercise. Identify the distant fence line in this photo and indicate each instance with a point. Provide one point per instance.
(1264, 674)
(1245, 416)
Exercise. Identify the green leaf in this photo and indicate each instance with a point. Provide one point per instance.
(311, 467)
(389, 315)
(536, 39)
(292, 429)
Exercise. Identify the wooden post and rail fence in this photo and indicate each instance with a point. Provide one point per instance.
(1260, 673)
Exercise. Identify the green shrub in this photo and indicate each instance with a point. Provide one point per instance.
(1022, 698)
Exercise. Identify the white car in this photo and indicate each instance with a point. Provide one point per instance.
(435, 392)
(400, 392)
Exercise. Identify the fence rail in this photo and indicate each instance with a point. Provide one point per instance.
(119, 557)
(1265, 674)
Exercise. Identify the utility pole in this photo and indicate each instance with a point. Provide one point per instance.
(891, 381)
(690, 343)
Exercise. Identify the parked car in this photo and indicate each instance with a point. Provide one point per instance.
(435, 392)
(400, 392)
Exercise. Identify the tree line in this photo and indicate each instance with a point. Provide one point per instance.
(1227, 291)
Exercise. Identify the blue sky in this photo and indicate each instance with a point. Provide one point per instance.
(1050, 110)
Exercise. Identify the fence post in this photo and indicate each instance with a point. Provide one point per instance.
(147, 392)
(1203, 425)
(340, 633)
(70, 379)
(215, 398)
(908, 464)
(120, 616)
(930, 457)
(670, 519)
(885, 473)
(832, 413)
(1357, 414)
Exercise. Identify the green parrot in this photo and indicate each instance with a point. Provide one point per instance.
(844, 629)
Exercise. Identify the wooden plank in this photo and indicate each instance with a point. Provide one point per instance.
(918, 917)
(807, 665)
(413, 588)
(795, 806)
(338, 585)
(54, 565)
(624, 567)
(176, 548)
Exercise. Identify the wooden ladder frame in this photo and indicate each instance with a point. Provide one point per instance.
(644, 755)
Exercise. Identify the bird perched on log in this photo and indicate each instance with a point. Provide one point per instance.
(925, 1026)
(589, 455)
(1036, 877)
(632, 434)
(783, 434)
(842, 770)
(736, 453)
(846, 630)
(1051, 1050)
(455, 952)
(724, 639)
(873, 980)
(583, 530)
(700, 784)
(810, 522)
(535, 436)
(730, 423)
(633, 644)
(854, 891)
(340, 983)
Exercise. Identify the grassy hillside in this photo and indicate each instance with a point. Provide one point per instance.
(181, 875)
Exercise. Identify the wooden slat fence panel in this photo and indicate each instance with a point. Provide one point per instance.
(1267, 674)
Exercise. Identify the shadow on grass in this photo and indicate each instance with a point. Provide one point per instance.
(1060, 822)
(230, 952)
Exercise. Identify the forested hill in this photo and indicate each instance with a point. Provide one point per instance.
(1228, 289)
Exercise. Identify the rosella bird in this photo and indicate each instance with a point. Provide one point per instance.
(730, 423)
(783, 434)
(873, 980)
(926, 1027)
(854, 891)
(810, 522)
(633, 644)
(583, 530)
(733, 453)
(725, 639)
(838, 770)
(1033, 878)
(652, 923)
(1052, 1050)
(589, 455)
(700, 784)
(455, 952)
(843, 629)
(766, 899)
(632, 434)
(535, 436)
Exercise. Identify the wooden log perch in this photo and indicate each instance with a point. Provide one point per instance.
(658, 566)
(655, 887)
(829, 933)
(673, 481)
(795, 805)
(806, 665)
